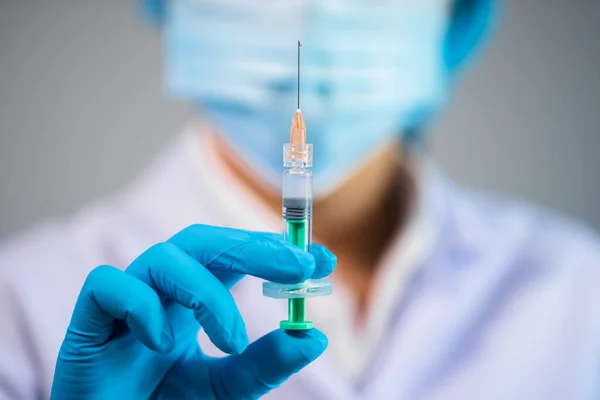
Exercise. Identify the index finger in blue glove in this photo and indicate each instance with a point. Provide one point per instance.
(264, 255)
(175, 275)
(110, 294)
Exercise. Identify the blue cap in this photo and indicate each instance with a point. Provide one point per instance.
(470, 24)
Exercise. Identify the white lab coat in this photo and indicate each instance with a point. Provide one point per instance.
(504, 306)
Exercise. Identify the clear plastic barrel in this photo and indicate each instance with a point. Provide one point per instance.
(297, 207)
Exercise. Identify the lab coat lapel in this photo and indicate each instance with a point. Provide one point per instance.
(446, 301)
(402, 356)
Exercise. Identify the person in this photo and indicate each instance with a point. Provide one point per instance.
(439, 292)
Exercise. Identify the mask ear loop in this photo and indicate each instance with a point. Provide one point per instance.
(470, 23)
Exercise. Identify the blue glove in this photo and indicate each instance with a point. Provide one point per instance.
(133, 333)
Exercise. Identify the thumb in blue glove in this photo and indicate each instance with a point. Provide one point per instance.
(264, 365)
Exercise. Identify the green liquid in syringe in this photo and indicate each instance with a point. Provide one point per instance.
(297, 235)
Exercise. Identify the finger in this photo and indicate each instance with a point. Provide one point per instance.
(107, 295)
(232, 251)
(177, 276)
(325, 261)
(266, 363)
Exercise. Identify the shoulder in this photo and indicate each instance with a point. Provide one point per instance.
(39, 283)
(41, 275)
(50, 261)
(515, 256)
(535, 224)
(45, 247)
(531, 238)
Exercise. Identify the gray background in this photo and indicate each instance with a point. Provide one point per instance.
(81, 110)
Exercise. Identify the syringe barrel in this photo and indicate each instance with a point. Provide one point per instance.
(297, 230)
(297, 207)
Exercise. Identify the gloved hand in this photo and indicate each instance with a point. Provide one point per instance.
(133, 333)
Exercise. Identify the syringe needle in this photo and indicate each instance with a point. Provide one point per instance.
(298, 129)
(299, 45)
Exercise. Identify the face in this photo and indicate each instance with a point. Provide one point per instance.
(369, 72)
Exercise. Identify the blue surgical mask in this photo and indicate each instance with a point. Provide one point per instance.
(370, 71)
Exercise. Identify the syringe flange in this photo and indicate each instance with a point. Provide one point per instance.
(308, 288)
(296, 293)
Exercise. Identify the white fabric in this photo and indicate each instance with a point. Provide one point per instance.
(504, 305)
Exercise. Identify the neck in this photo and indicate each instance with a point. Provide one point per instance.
(360, 218)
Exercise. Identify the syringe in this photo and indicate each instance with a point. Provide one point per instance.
(297, 220)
